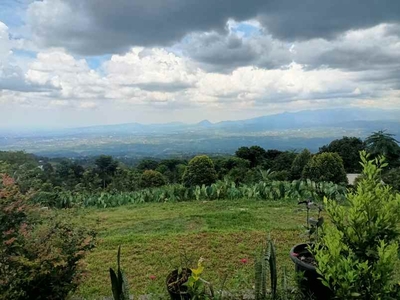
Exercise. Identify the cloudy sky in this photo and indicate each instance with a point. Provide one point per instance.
(70, 63)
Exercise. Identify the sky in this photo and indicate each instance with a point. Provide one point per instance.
(70, 63)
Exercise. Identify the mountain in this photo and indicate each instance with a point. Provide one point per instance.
(205, 123)
(295, 130)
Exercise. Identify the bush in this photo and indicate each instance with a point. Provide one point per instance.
(151, 179)
(41, 256)
(326, 167)
(299, 163)
(199, 171)
(358, 251)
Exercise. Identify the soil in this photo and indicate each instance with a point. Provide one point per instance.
(307, 258)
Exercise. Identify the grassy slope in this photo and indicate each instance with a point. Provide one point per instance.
(155, 236)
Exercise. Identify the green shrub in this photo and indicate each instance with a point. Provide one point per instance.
(150, 179)
(326, 167)
(359, 248)
(199, 171)
(41, 257)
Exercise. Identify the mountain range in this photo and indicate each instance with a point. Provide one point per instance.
(294, 130)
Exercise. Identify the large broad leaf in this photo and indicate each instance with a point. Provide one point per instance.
(273, 269)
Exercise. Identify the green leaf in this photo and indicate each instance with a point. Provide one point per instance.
(114, 285)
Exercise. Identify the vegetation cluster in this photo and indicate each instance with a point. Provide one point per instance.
(355, 253)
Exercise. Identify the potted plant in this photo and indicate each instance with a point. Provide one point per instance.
(301, 255)
(176, 284)
(187, 284)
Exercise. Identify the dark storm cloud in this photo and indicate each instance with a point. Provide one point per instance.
(370, 58)
(103, 26)
(98, 27)
(302, 20)
(224, 53)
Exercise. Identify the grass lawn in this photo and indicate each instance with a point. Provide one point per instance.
(155, 237)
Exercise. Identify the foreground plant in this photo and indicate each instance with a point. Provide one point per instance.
(40, 254)
(264, 262)
(197, 285)
(119, 283)
(359, 248)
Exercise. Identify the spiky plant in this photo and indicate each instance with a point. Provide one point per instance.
(264, 262)
(119, 284)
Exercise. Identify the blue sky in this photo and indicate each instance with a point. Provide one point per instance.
(65, 63)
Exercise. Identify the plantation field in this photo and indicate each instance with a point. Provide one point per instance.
(155, 237)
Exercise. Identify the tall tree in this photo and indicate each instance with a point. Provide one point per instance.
(106, 167)
(383, 143)
(255, 154)
(349, 150)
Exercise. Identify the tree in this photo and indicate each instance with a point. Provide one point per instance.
(382, 143)
(199, 171)
(224, 166)
(68, 174)
(349, 150)
(106, 167)
(299, 163)
(325, 167)
(171, 169)
(284, 161)
(147, 164)
(255, 154)
(151, 178)
(125, 179)
(269, 158)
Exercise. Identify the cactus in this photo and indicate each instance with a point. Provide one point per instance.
(264, 262)
(119, 284)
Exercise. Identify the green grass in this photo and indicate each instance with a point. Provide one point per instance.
(155, 237)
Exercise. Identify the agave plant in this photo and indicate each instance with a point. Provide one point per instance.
(119, 284)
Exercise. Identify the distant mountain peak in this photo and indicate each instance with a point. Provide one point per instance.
(205, 123)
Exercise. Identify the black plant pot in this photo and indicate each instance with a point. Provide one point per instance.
(310, 284)
(175, 287)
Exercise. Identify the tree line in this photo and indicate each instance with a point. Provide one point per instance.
(248, 165)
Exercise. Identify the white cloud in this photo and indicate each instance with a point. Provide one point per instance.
(155, 84)
(72, 78)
